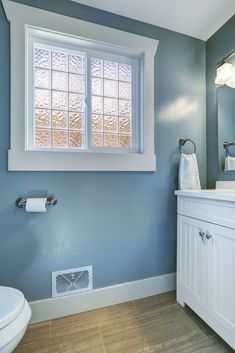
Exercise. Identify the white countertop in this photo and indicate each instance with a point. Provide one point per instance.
(213, 194)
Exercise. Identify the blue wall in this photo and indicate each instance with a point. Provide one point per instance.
(124, 224)
(217, 47)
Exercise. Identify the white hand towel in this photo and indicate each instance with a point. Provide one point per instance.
(229, 163)
(188, 172)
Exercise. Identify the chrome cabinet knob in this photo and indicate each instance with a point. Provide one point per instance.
(202, 235)
(208, 235)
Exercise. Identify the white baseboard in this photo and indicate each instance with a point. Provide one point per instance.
(51, 308)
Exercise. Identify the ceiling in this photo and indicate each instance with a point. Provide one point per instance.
(196, 18)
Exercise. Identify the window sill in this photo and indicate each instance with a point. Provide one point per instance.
(21, 160)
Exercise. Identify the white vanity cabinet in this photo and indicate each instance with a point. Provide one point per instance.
(206, 258)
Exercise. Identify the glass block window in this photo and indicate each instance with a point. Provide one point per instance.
(83, 102)
(111, 104)
(59, 99)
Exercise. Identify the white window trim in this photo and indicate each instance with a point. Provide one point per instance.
(20, 159)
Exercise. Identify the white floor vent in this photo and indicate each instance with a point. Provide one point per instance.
(72, 281)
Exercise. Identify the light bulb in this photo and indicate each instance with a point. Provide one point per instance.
(224, 73)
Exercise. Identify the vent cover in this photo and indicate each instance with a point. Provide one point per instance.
(71, 281)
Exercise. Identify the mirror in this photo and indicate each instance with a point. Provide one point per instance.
(226, 127)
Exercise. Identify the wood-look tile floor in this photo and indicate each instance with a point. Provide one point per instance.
(152, 325)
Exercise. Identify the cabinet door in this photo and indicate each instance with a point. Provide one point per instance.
(222, 275)
(192, 262)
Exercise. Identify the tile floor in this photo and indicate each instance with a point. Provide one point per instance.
(152, 325)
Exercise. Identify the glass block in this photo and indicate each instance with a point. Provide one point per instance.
(124, 108)
(59, 119)
(42, 118)
(76, 121)
(125, 90)
(97, 140)
(111, 70)
(110, 106)
(76, 83)
(110, 123)
(97, 105)
(59, 100)
(42, 98)
(43, 138)
(111, 88)
(76, 139)
(59, 138)
(124, 72)
(76, 102)
(97, 67)
(97, 122)
(60, 80)
(42, 78)
(42, 58)
(110, 140)
(125, 125)
(97, 86)
(125, 141)
(59, 61)
(77, 64)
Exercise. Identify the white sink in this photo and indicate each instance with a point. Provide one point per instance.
(224, 191)
(216, 194)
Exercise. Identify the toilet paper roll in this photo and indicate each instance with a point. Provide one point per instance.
(36, 205)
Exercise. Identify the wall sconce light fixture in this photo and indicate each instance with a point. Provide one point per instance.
(225, 72)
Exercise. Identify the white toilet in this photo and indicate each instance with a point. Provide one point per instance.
(15, 314)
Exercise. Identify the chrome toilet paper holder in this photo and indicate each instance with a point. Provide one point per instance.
(21, 201)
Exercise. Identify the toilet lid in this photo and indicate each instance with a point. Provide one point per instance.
(11, 304)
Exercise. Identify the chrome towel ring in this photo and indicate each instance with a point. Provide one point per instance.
(226, 146)
(182, 142)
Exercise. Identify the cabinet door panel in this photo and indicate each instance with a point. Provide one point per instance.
(192, 262)
(222, 279)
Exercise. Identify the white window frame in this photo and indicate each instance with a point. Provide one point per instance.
(21, 159)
